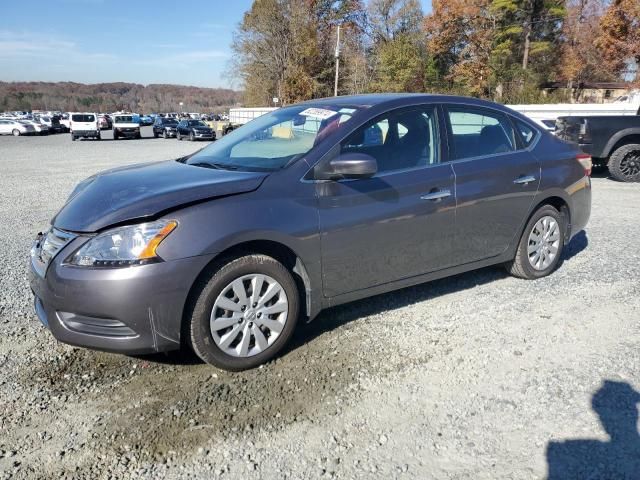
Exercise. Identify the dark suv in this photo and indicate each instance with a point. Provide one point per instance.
(165, 127)
(195, 130)
(304, 208)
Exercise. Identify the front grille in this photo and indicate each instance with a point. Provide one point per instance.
(51, 243)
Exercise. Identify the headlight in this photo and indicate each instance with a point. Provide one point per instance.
(124, 246)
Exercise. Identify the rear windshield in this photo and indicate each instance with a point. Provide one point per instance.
(83, 118)
(124, 119)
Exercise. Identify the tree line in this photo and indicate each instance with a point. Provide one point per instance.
(111, 97)
(499, 49)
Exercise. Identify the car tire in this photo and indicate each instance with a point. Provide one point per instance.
(15, 132)
(191, 137)
(115, 136)
(164, 134)
(538, 257)
(220, 282)
(73, 138)
(99, 137)
(178, 136)
(155, 134)
(624, 163)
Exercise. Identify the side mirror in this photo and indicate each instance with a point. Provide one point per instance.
(349, 165)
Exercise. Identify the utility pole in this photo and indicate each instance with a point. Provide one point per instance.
(335, 87)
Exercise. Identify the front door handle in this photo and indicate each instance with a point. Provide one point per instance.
(436, 195)
(524, 179)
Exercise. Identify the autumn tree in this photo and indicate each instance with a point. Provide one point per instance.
(619, 37)
(459, 37)
(398, 55)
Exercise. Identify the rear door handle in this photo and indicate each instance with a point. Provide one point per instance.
(436, 195)
(524, 179)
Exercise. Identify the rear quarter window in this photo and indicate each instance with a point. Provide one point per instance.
(525, 132)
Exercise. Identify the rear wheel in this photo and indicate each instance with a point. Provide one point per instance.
(245, 312)
(540, 247)
(624, 164)
(15, 132)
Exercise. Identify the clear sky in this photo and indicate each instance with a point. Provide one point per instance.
(142, 41)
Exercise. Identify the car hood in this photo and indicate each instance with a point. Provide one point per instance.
(140, 191)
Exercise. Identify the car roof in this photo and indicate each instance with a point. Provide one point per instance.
(399, 99)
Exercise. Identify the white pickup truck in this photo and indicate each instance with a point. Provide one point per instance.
(125, 126)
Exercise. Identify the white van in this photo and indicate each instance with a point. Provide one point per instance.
(84, 125)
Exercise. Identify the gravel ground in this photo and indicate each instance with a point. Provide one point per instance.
(471, 377)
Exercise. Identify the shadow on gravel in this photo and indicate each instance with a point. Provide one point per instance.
(576, 245)
(339, 316)
(336, 317)
(616, 404)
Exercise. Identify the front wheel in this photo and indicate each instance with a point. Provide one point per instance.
(191, 137)
(16, 132)
(244, 313)
(624, 164)
(540, 247)
(178, 136)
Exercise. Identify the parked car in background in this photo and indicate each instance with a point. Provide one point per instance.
(146, 120)
(194, 130)
(10, 126)
(53, 122)
(65, 121)
(125, 126)
(307, 207)
(39, 127)
(613, 142)
(165, 127)
(105, 122)
(84, 125)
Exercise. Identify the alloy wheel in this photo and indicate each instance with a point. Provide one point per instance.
(544, 243)
(630, 164)
(249, 315)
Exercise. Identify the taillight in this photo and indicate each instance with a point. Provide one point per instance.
(585, 160)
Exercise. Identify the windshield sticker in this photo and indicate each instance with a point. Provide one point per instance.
(320, 113)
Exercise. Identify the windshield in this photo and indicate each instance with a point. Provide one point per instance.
(169, 121)
(124, 119)
(83, 118)
(196, 123)
(274, 140)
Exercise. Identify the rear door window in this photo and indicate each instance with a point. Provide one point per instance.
(478, 132)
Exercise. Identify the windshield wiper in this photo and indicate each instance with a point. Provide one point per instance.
(217, 166)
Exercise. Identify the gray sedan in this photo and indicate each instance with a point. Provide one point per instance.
(307, 207)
